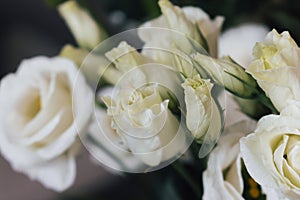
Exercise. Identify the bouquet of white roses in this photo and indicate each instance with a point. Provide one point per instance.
(162, 94)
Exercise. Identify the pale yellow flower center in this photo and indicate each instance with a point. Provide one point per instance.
(195, 83)
(268, 52)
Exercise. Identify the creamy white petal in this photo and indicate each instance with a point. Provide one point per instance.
(58, 174)
(238, 42)
(41, 144)
(85, 29)
(226, 156)
(266, 151)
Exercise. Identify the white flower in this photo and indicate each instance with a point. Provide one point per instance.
(271, 153)
(138, 132)
(38, 125)
(201, 109)
(144, 124)
(276, 67)
(84, 28)
(187, 21)
(223, 177)
(238, 42)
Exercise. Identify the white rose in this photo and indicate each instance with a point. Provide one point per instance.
(142, 121)
(38, 125)
(186, 20)
(276, 67)
(201, 109)
(271, 153)
(135, 108)
(223, 177)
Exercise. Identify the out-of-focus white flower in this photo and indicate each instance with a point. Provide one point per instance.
(271, 153)
(201, 110)
(41, 114)
(223, 177)
(138, 124)
(276, 67)
(184, 24)
(85, 29)
(238, 42)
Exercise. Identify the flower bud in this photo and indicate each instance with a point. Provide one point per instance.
(227, 73)
(201, 109)
(86, 31)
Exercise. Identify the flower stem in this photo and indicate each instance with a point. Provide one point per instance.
(180, 169)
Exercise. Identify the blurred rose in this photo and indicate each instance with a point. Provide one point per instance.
(38, 125)
(271, 153)
(276, 67)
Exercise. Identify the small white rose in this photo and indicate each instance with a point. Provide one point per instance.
(145, 125)
(223, 177)
(40, 116)
(138, 132)
(276, 67)
(85, 29)
(271, 153)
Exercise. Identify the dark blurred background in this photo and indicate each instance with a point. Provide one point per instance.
(33, 27)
